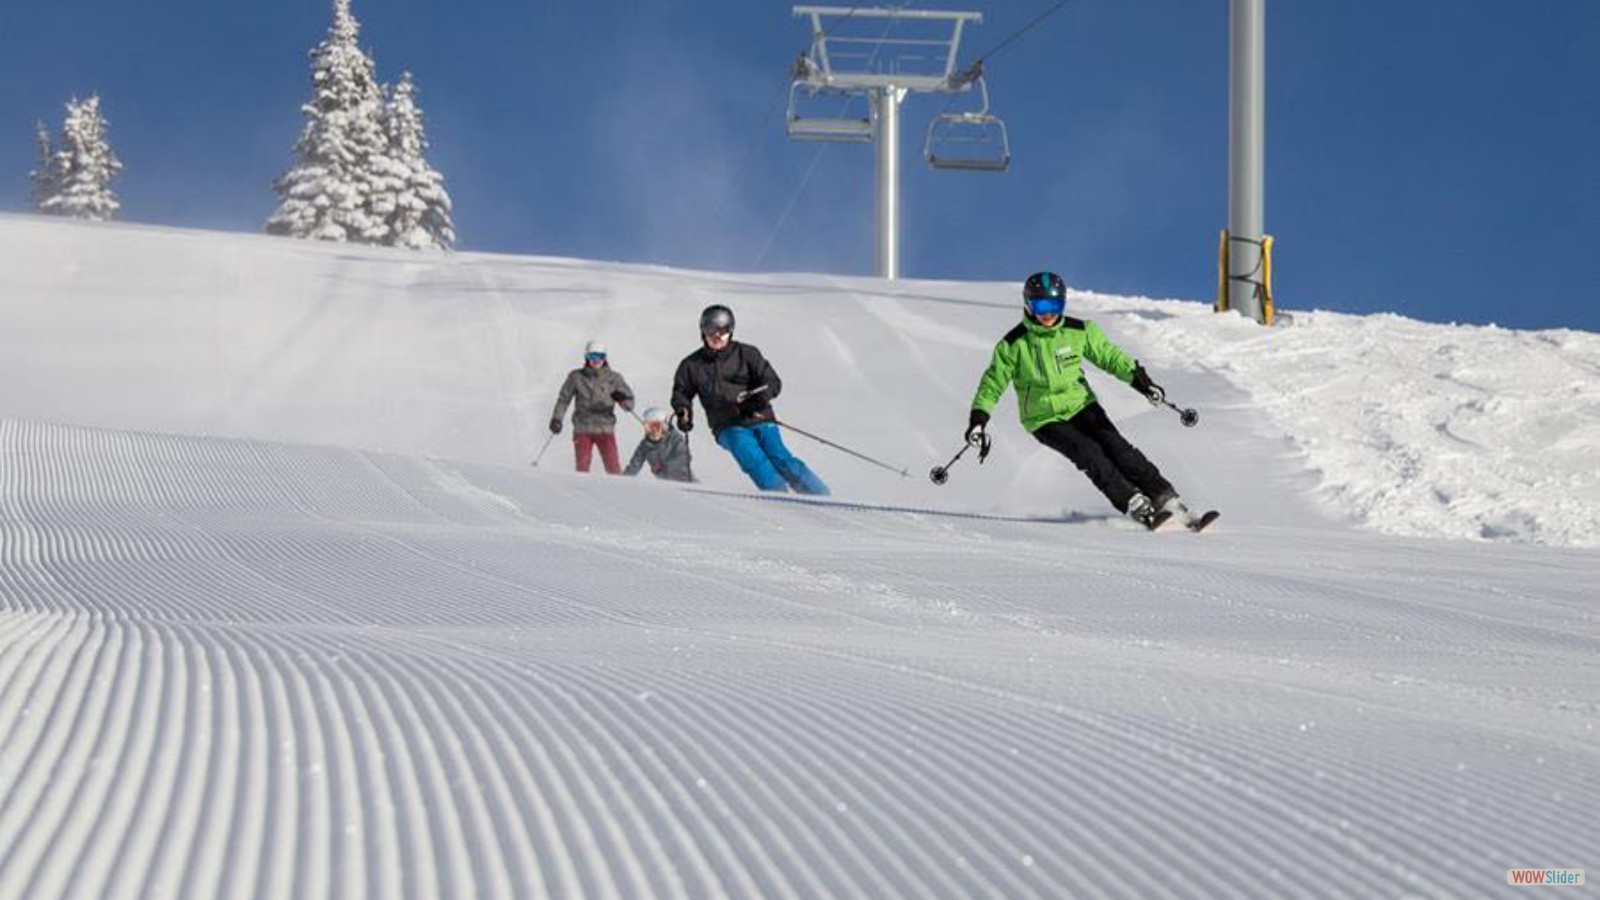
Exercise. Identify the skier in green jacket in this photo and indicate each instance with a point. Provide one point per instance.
(1043, 356)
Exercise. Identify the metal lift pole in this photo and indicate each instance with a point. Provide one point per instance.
(1246, 153)
(884, 70)
(886, 103)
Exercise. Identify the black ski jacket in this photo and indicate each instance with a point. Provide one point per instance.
(719, 378)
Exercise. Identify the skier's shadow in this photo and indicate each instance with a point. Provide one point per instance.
(1075, 517)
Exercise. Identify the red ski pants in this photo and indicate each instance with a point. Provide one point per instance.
(584, 446)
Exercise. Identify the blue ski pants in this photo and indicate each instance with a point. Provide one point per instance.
(762, 455)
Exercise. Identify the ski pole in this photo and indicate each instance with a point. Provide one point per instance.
(941, 474)
(544, 448)
(1188, 417)
(821, 440)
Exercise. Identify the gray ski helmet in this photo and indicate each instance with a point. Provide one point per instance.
(1044, 284)
(716, 317)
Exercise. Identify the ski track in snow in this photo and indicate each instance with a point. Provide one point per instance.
(236, 667)
(243, 669)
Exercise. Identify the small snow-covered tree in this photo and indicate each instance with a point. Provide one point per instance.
(416, 202)
(44, 176)
(342, 152)
(74, 176)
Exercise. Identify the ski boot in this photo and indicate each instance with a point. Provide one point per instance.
(1141, 510)
(1174, 507)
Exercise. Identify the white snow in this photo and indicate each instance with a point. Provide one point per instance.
(285, 612)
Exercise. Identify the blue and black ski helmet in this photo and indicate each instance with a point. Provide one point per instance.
(1044, 294)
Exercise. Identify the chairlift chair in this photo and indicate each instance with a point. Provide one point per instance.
(856, 130)
(971, 141)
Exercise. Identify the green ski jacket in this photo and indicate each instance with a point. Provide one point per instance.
(1046, 365)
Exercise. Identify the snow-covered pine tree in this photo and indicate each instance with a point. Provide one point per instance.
(419, 212)
(75, 175)
(342, 152)
(43, 177)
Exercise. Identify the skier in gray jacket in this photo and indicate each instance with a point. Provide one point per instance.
(593, 391)
(664, 448)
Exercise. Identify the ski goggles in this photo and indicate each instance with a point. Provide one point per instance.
(1045, 306)
(717, 332)
(594, 357)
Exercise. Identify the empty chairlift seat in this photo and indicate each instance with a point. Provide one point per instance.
(818, 114)
(973, 141)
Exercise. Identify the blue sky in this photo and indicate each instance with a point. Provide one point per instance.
(1436, 159)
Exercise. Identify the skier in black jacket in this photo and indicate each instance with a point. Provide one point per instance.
(736, 386)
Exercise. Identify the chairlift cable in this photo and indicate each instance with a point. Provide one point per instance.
(817, 157)
(793, 199)
(743, 165)
(1020, 32)
(772, 107)
(842, 19)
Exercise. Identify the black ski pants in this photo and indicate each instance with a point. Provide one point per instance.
(1115, 466)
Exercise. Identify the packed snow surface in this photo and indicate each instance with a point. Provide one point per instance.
(285, 611)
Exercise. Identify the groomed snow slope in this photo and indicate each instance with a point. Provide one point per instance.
(285, 613)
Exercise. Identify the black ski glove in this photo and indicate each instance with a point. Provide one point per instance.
(976, 434)
(751, 401)
(622, 400)
(1142, 383)
(685, 420)
(555, 426)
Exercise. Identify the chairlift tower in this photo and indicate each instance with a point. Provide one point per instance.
(1247, 251)
(845, 64)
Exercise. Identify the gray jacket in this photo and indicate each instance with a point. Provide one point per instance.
(668, 457)
(589, 391)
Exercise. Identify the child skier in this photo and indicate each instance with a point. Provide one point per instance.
(1043, 357)
(663, 447)
(593, 390)
(736, 386)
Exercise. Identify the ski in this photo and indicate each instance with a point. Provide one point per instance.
(1199, 523)
(1158, 520)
